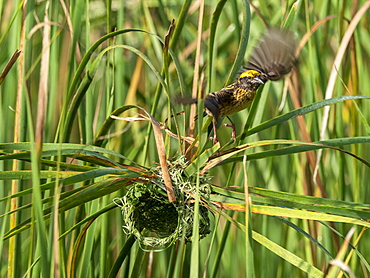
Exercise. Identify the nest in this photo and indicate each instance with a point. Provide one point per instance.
(153, 220)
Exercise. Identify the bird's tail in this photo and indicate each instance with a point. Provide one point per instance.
(185, 100)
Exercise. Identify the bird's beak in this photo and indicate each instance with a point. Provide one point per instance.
(259, 80)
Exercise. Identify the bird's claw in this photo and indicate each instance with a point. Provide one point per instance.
(215, 140)
(233, 131)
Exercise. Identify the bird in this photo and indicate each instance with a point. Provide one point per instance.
(272, 58)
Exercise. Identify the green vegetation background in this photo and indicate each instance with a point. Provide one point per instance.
(70, 77)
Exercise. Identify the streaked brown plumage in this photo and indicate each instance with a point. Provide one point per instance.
(235, 97)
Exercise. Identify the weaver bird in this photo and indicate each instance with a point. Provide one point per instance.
(271, 59)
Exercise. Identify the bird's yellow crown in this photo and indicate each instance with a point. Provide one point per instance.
(249, 73)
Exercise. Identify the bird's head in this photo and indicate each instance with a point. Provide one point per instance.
(252, 77)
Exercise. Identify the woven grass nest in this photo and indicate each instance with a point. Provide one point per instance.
(153, 220)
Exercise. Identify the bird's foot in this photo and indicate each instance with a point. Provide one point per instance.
(233, 129)
(215, 140)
